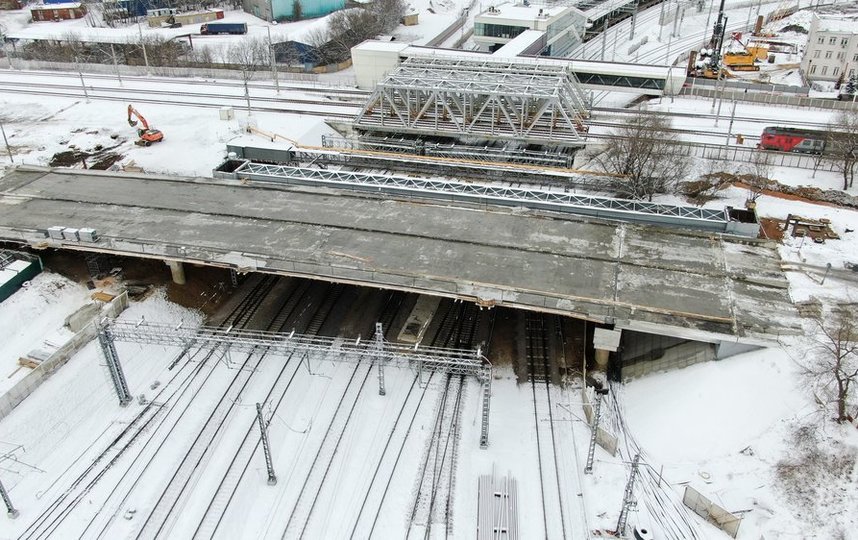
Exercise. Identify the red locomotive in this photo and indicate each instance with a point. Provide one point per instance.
(785, 139)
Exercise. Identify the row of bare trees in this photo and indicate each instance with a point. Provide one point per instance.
(349, 27)
(647, 158)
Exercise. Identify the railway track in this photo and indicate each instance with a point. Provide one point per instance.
(146, 421)
(316, 479)
(167, 509)
(432, 504)
(539, 374)
(334, 110)
(284, 85)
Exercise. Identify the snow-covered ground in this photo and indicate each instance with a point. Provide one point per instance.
(34, 320)
(723, 427)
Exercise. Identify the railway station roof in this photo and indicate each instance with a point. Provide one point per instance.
(693, 285)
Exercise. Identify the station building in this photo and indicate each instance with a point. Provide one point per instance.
(832, 48)
(563, 26)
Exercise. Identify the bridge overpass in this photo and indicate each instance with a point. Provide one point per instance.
(702, 286)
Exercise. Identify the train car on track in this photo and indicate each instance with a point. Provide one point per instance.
(786, 139)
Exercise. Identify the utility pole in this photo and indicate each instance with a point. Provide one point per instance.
(634, 20)
(105, 339)
(730, 128)
(661, 21)
(263, 429)
(273, 61)
(379, 348)
(675, 20)
(604, 38)
(115, 63)
(6, 142)
(597, 415)
(720, 99)
(82, 83)
(143, 45)
(708, 18)
(10, 509)
(628, 498)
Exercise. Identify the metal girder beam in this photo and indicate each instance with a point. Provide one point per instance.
(624, 209)
(454, 361)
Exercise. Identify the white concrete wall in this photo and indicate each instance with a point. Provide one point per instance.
(23, 388)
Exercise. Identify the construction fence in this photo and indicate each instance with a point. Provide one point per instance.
(604, 439)
(770, 98)
(711, 512)
(27, 385)
(320, 76)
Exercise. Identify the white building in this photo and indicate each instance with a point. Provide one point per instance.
(563, 26)
(832, 48)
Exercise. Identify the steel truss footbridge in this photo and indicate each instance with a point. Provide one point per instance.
(489, 98)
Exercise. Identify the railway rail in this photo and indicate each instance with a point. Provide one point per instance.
(333, 110)
(539, 374)
(168, 506)
(148, 420)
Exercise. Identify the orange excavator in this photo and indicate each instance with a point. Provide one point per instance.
(147, 135)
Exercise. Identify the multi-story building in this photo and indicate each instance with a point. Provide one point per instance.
(563, 26)
(281, 10)
(832, 48)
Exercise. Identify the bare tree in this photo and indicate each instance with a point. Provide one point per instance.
(297, 10)
(842, 144)
(759, 175)
(388, 13)
(835, 364)
(248, 55)
(646, 157)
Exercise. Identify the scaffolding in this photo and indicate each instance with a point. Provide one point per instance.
(490, 99)
(453, 361)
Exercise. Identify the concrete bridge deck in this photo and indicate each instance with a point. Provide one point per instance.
(693, 285)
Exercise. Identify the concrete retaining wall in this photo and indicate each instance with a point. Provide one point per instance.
(36, 377)
(679, 356)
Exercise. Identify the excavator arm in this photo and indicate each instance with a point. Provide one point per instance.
(148, 135)
(132, 113)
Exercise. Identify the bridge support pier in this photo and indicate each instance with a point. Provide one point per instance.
(177, 269)
(605, 342)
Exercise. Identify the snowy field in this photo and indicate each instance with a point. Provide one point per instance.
(725, 428)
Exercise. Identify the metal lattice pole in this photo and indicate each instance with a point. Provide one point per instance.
(263, 430)
(628, 501)
(379, 347)
(10, 510)
(486, 377)
(591, 451)
(484, 424)
(105, 339)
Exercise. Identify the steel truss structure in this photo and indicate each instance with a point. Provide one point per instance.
(506, 153)
(490, 99)
(454, 361)
(558, 201)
